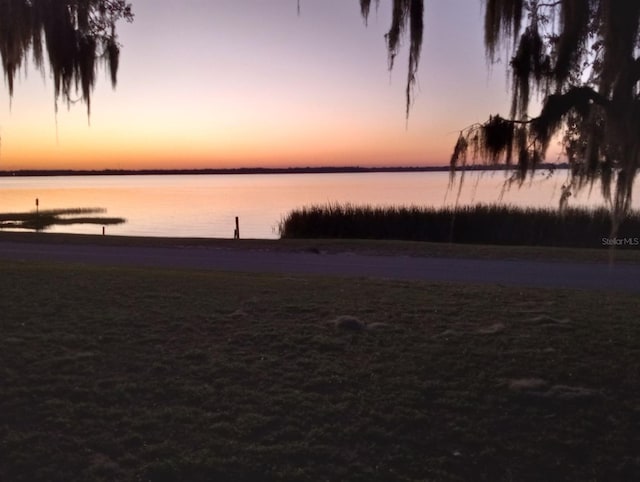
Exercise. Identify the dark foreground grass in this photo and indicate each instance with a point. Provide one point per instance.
(154, 375)
(478, 224)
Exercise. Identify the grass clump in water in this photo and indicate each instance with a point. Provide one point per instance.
(41, 220)
(478, 224)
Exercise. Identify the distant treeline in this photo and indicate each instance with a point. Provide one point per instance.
(480, 224)
(255, 170)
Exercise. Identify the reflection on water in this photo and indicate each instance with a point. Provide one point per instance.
(206, 205)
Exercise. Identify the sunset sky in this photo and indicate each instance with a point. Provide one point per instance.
(244, 83)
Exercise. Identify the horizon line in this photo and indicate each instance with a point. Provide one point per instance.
(261, 170)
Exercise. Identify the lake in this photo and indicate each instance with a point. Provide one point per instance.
(206, 205)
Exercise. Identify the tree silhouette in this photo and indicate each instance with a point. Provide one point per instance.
(581, 57)
(77, 35)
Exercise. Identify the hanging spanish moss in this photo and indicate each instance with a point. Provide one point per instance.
(581, 58)
(78, 36)
(572, 40)
(365, 7)
(502, 19)
(530, 66)
(406, 15)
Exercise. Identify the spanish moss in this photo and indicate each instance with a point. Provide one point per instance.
(502, 20)
(78, 36)
(573, 37)
(530, 67)
(365, 7)
(581, 58)
(407, 15)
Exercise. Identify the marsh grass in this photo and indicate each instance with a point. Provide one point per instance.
(43, 219)
(160, 375)
(478, 224)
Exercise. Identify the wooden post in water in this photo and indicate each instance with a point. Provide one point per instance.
(236, 232)
(103, 230)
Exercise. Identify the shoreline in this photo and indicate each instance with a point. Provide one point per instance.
(257, 170)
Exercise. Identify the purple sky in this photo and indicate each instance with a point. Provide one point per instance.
(227, 83)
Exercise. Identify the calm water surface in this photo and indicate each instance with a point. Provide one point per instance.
(206, 205)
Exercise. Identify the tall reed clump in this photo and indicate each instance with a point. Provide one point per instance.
(478, 224)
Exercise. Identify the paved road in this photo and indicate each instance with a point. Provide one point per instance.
(620, 277)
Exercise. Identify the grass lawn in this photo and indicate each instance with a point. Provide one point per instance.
(160, 375)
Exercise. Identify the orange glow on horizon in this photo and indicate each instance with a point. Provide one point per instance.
(220, 85)
(86, 147)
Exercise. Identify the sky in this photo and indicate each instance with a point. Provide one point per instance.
(250, 83)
